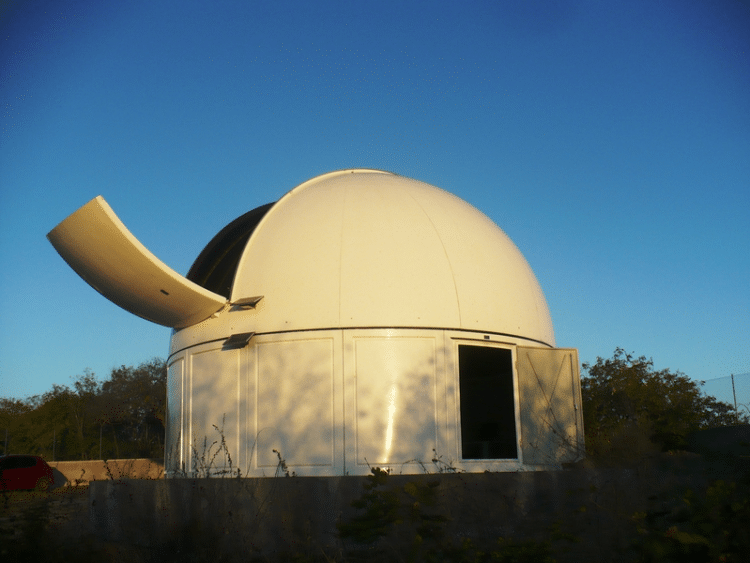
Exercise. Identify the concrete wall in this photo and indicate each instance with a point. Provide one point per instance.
(82, 472)
(241, 519)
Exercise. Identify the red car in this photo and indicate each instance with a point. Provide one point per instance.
(25, 472)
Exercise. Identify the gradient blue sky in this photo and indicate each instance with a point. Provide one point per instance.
(610, 140)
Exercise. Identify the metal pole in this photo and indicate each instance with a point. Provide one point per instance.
(734, 393)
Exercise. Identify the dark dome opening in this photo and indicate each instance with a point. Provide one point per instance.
(216, 265)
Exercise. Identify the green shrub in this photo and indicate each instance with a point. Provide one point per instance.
(709, 527)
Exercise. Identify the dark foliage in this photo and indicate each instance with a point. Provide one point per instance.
(704, 526)
(625, 395)
(121, 417)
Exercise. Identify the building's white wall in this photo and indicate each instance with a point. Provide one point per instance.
(338, 402)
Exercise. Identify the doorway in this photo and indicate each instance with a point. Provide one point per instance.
(488, 418)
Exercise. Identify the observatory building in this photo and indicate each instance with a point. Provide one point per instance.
(364, 319)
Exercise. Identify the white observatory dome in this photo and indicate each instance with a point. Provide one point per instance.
(363, 319)
(365, 248)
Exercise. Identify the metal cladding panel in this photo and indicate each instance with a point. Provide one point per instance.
(396, 400)
(550, 397)
(173, 454)
(295, 408)
(100, 249)
(215, 408)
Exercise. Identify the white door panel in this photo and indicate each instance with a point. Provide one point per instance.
(550, 393)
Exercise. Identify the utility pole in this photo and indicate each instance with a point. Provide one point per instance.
(734, 393)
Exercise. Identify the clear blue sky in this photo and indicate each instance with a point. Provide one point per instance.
(610, 140)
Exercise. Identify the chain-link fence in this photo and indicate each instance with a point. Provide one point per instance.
(732, 389)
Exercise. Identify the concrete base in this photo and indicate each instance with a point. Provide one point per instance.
(298, 516)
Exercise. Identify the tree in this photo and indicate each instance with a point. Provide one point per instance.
(79, 401)
(12, 413)
(121, 417)
(133, 405)
(625, 393)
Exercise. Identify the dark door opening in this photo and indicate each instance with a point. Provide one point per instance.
(488, 418)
